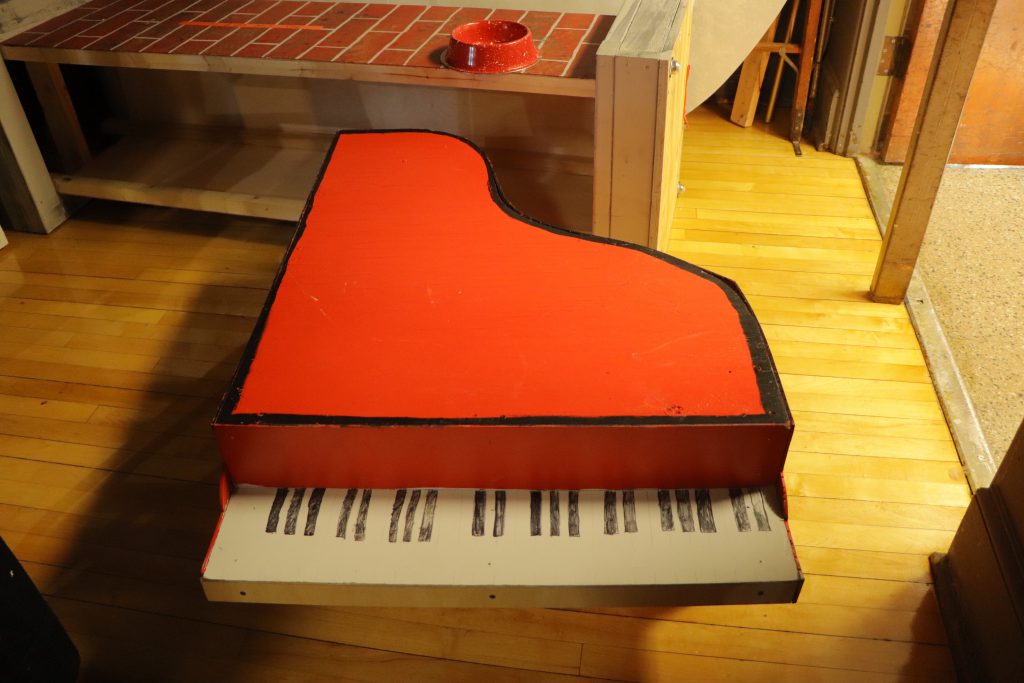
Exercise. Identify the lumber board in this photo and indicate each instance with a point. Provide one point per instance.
(372, 73)
(959, 43)
(866, 488)
(705, 232)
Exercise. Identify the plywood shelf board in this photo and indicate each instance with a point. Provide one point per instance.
(269, 174)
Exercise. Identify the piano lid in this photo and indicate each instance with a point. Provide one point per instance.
(413, 292)
(422, 332)
(502, 548)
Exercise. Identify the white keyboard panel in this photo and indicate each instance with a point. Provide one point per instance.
(468, 547)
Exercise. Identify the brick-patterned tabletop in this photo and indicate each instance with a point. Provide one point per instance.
(355, 33)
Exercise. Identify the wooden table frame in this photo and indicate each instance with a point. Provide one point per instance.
(639, 101)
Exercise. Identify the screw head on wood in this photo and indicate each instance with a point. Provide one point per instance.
(676, 66)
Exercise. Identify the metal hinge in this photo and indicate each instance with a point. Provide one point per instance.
(895, 56)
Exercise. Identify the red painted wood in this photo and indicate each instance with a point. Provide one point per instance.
(516, 457)
(412, 293)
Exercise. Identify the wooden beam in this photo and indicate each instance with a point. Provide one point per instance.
(959, 44)
(371, 73)
(26, 192)
(775, 47)
(803, 76)
(236, 203)
(59, 111)
(748, 90)
(641, 78)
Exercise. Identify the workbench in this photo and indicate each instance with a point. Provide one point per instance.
(230, 106)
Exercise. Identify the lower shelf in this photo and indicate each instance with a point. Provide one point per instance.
(466, 548)
(265, 175)
(226, 176)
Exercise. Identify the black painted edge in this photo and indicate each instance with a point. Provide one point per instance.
(773, 399)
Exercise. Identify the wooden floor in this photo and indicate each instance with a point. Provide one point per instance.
(118, 333)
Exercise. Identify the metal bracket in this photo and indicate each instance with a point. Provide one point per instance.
(895, 56)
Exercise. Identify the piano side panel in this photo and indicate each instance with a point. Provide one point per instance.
(519, 457)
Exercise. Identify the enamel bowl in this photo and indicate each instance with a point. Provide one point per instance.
(491, 47)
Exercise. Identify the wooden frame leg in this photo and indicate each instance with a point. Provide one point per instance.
(959, 45)
(26, 191)
(748, 90)
(59, 111)
(803, 77)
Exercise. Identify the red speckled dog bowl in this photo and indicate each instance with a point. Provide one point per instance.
(491, 47)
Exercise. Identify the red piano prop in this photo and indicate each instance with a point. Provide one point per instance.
(433, 368)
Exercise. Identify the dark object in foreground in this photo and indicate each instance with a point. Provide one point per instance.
(33, 644)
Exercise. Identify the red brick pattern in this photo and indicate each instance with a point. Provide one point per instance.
(357, 33)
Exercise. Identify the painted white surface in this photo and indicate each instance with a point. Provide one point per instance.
(244, 551)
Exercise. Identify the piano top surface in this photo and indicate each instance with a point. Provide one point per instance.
(413, 291)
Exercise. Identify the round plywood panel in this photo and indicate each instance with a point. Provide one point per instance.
(724, 32)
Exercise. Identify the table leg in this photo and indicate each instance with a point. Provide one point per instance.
(26, 191)
(803, 78)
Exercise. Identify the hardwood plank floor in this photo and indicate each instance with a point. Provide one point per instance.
(117, 334)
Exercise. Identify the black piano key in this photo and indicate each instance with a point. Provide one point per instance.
(364, 509)
(479, 508)
(665, 506)
(346, 511)
(275, 510)
(739, 509)
(410, 515)
(313, 511)
(574, 513)
(760, 514)
(556, 513)
(629, 511)
(684, 510)
(535, 513)
(611, 516)
(705, 515)
(427, 525)
(499, 513)
(396, 515)
(291, 518)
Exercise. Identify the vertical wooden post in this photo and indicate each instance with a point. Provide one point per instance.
(959, 44)
(748, 90)
(803, 75)
(638, 112)
(26, 191)
(59, 111)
